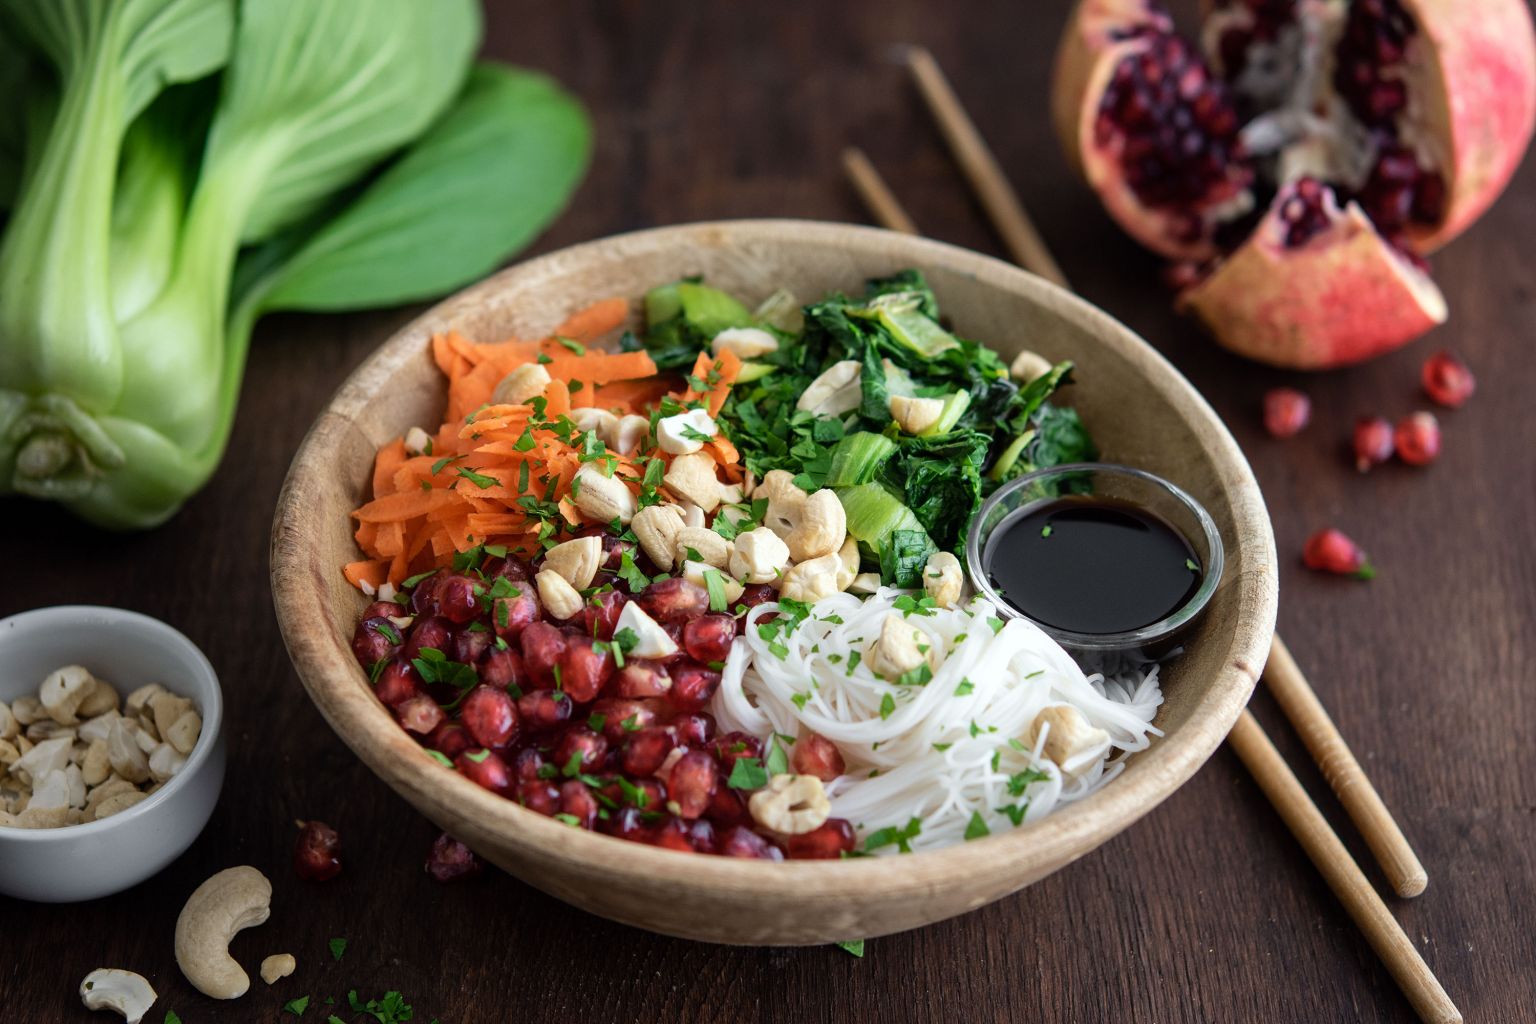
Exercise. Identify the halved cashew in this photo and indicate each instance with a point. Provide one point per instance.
(848, 564)
(835, 392)
(278, 965)
(577, 560)
(694, 572)
(64, 690)
(114, 786)
(707, 546)
(48, 806)
(603, 498)
(557, 595)
(791, 804)
(811, 580)
(915, 415)
(693, 515)
(628, 434)
(1072, 742)
(652, 641)
(142, 730)
(899, 648)
(28, 709)
(125, 992)
(526, 382)
(417, 441)
(138, 700)
(692, 477)
(124, 753)
(233, 899)
(94, 767)
(745, 342)
(9, 755)
(656, 528)
(731, 494)
(167, 708)
(74, 781)
(48, 729)
(599, 421)
(165, 762)
(759, 556)
(103, 699)
(47, 756)
(184, 732)
(942, 579)
(8, 725)
(1028, 366)
(686, 432)
(821, 529)
(785, 501)
(97, 728)
(119, 803)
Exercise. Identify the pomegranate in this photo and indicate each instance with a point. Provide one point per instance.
(709, 637)
(691, 784)
(1286, 412)
(645, 750)
(583, 670)
(741, 841)
(485, 769)
(1447, 380)
(672, 834)
(539, 796)
(600, 615)
(542, 710)
(450, 860)
(397, 683)
(543, 646)
(692, 686)
(1332, 551)
(458, 599)
(449, 739)
(490, 716)
(576, 799)
(502, 667)
(317, 854)
(429, 633)
(420, 714)
(1408, 117)
(828, 842)
(581, 749)
(818, 756)
(1372, 441)
(1417, 438)
(642, 679)
(375, 639)
(731, 747)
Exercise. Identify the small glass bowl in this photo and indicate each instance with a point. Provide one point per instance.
(1105, 480)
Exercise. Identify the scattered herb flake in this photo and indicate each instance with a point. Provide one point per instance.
(339, 946)
(854, 946)
(297, 1006)
(747, 773)
(976, 827)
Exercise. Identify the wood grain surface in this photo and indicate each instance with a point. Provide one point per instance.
(1205, 911)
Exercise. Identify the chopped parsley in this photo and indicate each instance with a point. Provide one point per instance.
(715, 584)
(339, 946)
(887, 706)
(747, 773)
(297, 1006)
(901, 837)
(572, 344)
(854, 946)
(965, 689)
(976, 827)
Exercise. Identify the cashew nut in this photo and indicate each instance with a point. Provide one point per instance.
(526, 382)
(791, 804)
(417, 441)
(233, 899)
(1028, 366)
(785, 501)
(47, 756)
(184, 732)
(165, 762)
(97, 728)
(124, 753)
(63, 691)
(603, 498)
(821, 528)
(652, 641)
(114, 786)
(628, 434)
(28, 709)
(707, 545)
(138, 700)
(692, 477)
(599, 421)
(557, 595)
(577, 560)
(94, 766)
(656, 528)
(74, 781)
(693, 515)
(125, 992)
(811, 580)
(1072, 742)
(915, 415)
(694, 572)
(745, 342)
(686, 432)
(848, 564)
(167, 708)
(942, 579)
(48, 729)
(103, 698)
(48, 806)
(899, 648)
(9, 755)
(8, 725)
(865, 583)
(759, 556)
(835, 392)
(278, 965)
(121, 802)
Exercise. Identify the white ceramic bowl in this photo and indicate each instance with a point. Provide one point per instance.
(82, 862)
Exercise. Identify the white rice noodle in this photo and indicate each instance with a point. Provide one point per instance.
(939, 756)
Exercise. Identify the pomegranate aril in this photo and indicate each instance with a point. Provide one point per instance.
(741, 841)
(502, 667)
(692, 686)
(754, 594)
(696, 729)
(374, 640)
(1332, 551)
(818, 756)
(642, 679)
(511, 615)
(1417, 438)
(424, 595)
(458, 599)
(728, 807)
(470, 644)
(674, 599)
(430, 633)
(449, 739)
(420, 715)
(542, 710)
(577, 800)
(1373, 442)
(490, 715)
(584, 670)
(702, 837)
(645, 750)
(543, 646)
(383, 610)
(397, 683)
(527, 764)
(539, 796)
(691, 784)
(317, 852)
(709, 637)
(828, 842)
(580, 749)
(1447, 380)
(620, 717)
(627, 823)
(511, 568)
(1286, 412)
(731, 747)
(672, 834)
(450, 860)
(485, 769)
(600, 615)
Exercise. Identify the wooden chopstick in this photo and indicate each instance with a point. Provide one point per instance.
(1247, 737)
(872, 189)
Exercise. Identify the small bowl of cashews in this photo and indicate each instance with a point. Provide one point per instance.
(111, 750)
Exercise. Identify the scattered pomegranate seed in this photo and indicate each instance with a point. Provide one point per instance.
(730, 747)
(828, 842)
(818, 756)
(1332, 551)
(1447, 380)
(692, 784)
(741, 841)
(1286, 412)
(1372, 441)
(317, 854)
(490, 716)
(485, 769)
(1417, 437)
(450, 860)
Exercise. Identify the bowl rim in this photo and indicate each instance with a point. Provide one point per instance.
(328, 670)
(212, 712)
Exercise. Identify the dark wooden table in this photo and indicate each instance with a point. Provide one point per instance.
(1205, 911)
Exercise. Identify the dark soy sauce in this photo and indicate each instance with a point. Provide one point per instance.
(1091, 565)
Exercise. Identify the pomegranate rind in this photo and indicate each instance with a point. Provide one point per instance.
(1479, 102)
(1342, 297)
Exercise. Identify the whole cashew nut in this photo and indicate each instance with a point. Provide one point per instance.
(709, 546)
(127, 993)
(577, 560)
(812, 580)
(942, 579)
(791, 804)
(64, 690)
(558, 597)
(231, 900)
(785, 501)
(603, 498)
(692, 477)
(759, 556)
(526, 382)
(1028, 366)
(848, 561)
(821, 529)
(835, 392)
(657, 527)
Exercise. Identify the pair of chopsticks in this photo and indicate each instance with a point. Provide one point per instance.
(1289, 687)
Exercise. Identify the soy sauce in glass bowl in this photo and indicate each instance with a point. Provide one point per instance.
(1104, 558)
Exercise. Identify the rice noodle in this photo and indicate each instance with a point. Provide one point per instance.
(939, 756)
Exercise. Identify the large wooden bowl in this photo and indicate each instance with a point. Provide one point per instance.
(1140, 410)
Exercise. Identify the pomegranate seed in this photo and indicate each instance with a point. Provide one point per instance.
(600, 615)
(1447, 380)
(642, 679)
(397, 683)
(620, 717)
(709, 637)
(754, 594)
(382, 610)
(449, 739)
(691, 784)
(317, 854)
(424, 596)
(511, 568)
(490, 716)
(1417, 437)
(420, 715)
(502, 667)
(1332, 551)
(701, 836)
(374, 640)
(828, 842)
(674, 599)
(470, 644)
(543, 645)
(692, 686)
(1286, 412)
(694, 730)
(432, 633)
(485, 769)
(730, 747)
(542, 710)
(539, 796)
(728, 807)
(583, 747)
(511, 615)
(527, 763)
(672, 834)
(627, 823)
(458, 599)
(818, 756)
(645, 750)
(576, 799)
(583, 670)
(741, 841)
(1372, 442)
(450, 860)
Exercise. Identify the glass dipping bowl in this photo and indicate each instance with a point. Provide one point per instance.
(1105, 480)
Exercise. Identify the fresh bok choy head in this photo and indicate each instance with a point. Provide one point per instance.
(175, 169)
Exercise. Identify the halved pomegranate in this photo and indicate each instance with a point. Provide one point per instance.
(1300, 163)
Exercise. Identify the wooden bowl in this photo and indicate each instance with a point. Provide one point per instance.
(1141, 411)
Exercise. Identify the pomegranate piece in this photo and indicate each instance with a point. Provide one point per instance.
(616, 718)
(754, 594)
(600, 615)
(449, 739)
(397, 683)
(627, 823)
(740, 841)
(642, 678)
(692, 686)
(420, 715)
(728, 807)
(584, 670)
(1372, 441)
(1286, 412)
(469, 645)
(672, 834)
(1417, 438)
(458, 599)
(580, 749)
(543, 646)
(709, 637)
(383, 610)
(317, 853)
(511, 615)
(1332, 551)
(576, 800)
(691, 784)
(695, 729)
(828, 842)
(375, 639)
(490, 715)
(424, 595)
(702, 837)
(431, 632)
(485, 769)
(1447, 380)
(645, 750)
(818, 756)
(450, 860)
(730, 747)
(539, 796)
(502, 667)
(511, 568)
(542, 710)
(674, 599)
(527, 764)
